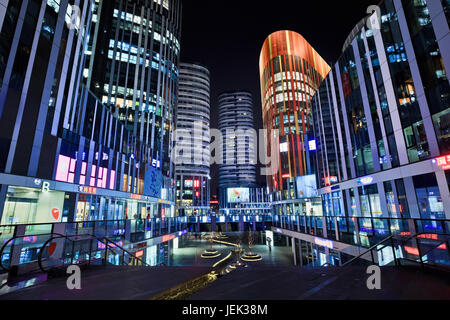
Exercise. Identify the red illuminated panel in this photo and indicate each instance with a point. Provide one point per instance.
(168, 238)
(429, 236)
(139, 253)
(443, 162)
(413, 251)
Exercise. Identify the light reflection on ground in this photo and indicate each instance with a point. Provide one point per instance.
(191, 248)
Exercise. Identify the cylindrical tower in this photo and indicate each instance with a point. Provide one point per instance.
(291, 71)
(238, 164)
(193, 118)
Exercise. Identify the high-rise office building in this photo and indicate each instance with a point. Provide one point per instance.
(132, 67)
(291, 71)
(238, 162)
(193, 123)
(67, 152)
(382, 118)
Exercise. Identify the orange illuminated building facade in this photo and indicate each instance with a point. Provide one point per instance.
(290, 72)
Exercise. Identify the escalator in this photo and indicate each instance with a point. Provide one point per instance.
(28, 260)
(429, 251)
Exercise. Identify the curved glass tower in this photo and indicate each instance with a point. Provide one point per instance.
(193, 118)
(291, 71)
(238, 163)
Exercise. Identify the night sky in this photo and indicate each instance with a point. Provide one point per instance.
(227, 37)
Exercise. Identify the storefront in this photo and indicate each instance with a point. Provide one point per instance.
(39, 202)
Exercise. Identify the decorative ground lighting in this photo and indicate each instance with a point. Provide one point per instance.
(250, 256)
(221, 236)
(238, 253)
(211, 253)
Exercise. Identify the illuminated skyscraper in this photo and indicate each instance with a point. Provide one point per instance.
(291, 72)
(193, 115)
(238, 168)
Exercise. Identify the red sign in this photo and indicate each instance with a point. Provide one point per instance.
(443, 162)
(55, 213)
(429, 236)
(88, 190)
(168, 238)
(139, 253)
(136, 197)
(413, 251)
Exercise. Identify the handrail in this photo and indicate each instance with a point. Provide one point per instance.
(391, 237)
(52, 237)
(92, 237)
(368, 250)
(12, 239)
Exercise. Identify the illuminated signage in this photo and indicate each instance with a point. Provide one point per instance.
(365, 181)
(286, 176)
(284, 147)
(238, 195)
(168, 238)
(324, 243)
(102, 246)
(55, 213)
(65, 172)
(443, 162)
(88, 190)
(30, 239)
(136, 197)
(46, 186)
(312, 145)
(413, 251)
(139, 254)
(156, 164)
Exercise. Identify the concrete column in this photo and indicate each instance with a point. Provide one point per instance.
(324, 227)
(300, 253)
(336, 227)
(444, 190)
(294, 253)
(213, 223)
(128, 230)
(3, 191)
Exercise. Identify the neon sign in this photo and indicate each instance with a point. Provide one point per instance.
(102, 246)
(312, 145)
(324, 243)
(168, 238)
(139, 253)
(365, 181)
(443, 162)
(88, 190)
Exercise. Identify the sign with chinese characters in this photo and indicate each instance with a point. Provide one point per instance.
(443, 162)
(324, 243)
(365, 181)
(88, 190)
(135, 197)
